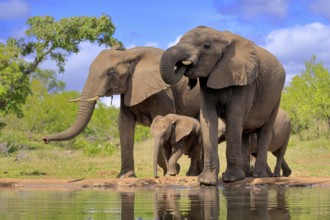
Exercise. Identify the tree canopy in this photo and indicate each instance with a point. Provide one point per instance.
(307, 97)
(14, 85)
(45, 38)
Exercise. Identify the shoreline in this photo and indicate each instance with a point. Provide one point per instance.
(49, 184)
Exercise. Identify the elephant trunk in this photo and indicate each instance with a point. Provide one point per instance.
(173, 64)
(157, 145)
(84, 114)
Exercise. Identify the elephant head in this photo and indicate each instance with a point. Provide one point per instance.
(170, 130)
(132, 73)
(223, 58)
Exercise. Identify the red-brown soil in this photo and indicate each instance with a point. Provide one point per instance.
(163, 181)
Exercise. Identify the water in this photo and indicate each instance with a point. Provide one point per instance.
(166, 203)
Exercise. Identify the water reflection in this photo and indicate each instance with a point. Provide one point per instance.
(167, 203)
(256, 204)
(202, 204)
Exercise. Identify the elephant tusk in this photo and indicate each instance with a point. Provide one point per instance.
(93, 99)
(74, 100)
(186, 62)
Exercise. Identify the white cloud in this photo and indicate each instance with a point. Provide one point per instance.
(13, 9)
(175, 41)
(295, 45)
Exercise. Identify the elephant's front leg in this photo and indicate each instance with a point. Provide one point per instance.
(172, 164)
(209, 128)
(126, 135)
(234, 129)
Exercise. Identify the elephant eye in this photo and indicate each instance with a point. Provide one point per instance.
(111, 73)
(206, 46)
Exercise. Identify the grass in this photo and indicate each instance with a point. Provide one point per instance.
(306, 158)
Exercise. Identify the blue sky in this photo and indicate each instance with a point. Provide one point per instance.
(293, 30)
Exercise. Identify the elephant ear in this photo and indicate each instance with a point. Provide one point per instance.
(238, 64)
(145, 79)
(183, 127)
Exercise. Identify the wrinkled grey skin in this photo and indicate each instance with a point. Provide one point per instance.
(177, 135)
(134, 75)
(240, 83)
(278, 144)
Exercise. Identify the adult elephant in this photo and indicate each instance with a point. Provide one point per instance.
(134, 74)
(240, 82)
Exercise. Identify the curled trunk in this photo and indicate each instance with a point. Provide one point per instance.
(173, 64)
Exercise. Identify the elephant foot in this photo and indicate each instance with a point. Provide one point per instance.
(126, 174)
(173, 171)
(170, 174)
(260, 173)
(209, 178)
(277, 173)
(192, 172)
(232, 175)
(247, 171)
(287, 172)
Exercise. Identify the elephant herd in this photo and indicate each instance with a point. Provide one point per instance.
(231, 91)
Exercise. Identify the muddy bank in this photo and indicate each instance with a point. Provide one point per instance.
(163, 181)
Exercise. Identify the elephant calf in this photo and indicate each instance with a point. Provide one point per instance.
(175, 135)
(278, 144)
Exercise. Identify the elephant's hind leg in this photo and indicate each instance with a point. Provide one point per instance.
(285, 168)
(264, 136)
(280, 162)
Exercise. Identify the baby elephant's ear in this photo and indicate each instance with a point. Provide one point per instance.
(183, 127)
(238, 64)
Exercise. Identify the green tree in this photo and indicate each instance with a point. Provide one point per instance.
(307, 98)
(45, 38)
(14, 85)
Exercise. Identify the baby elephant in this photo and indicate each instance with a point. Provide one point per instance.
(175, 135)
(278, 144)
